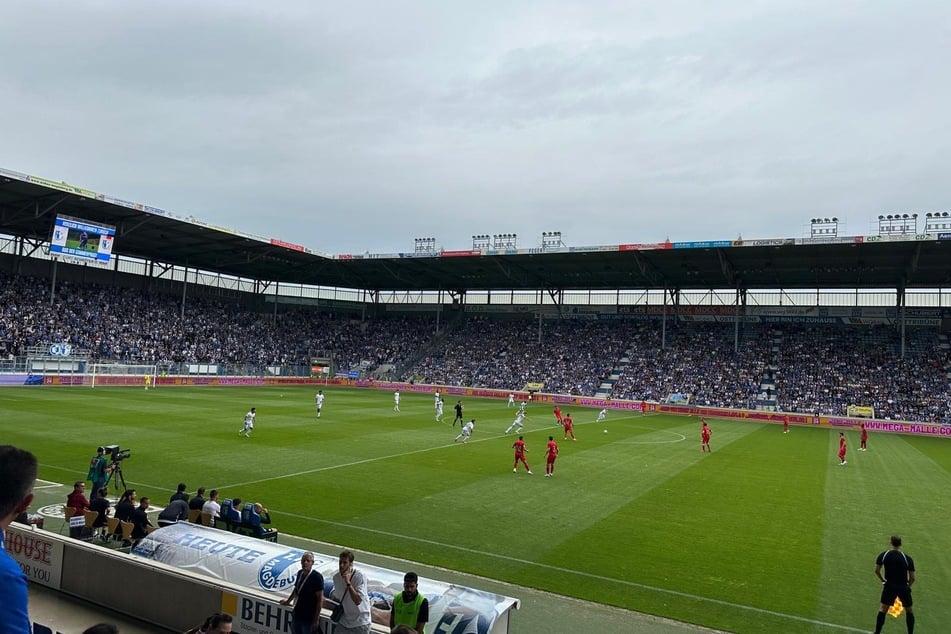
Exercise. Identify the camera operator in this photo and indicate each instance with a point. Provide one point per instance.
(99, 470)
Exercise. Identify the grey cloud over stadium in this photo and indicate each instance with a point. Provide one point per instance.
(357, 127)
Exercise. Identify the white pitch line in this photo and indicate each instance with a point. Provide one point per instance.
(46, 484)
(352, 464)
(633, 584)
(396, 455)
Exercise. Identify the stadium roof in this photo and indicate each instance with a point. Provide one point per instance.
(29, 205)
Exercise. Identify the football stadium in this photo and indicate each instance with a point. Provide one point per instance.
(820, 365)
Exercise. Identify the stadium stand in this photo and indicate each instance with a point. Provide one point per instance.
(815, 369)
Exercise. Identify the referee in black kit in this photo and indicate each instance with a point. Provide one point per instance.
(899, 576)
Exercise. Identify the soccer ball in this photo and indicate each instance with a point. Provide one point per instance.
(605, 431)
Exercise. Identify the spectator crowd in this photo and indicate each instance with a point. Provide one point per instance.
(814, 369)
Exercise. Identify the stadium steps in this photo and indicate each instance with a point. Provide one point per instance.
(607, 386)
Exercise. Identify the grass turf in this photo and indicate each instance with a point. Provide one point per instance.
(767, 533)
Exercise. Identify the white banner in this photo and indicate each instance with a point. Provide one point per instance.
(272, 567)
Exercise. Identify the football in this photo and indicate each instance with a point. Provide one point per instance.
(605, 431)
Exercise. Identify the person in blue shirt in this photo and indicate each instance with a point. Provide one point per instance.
(17, 473)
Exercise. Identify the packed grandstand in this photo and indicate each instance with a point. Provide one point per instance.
(792, 367)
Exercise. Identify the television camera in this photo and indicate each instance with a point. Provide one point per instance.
(117, 455)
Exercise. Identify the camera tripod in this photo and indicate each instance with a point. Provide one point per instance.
(117, 476)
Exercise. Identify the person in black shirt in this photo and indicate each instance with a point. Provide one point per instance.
(100, 505)
(180, 493)
(309, 592)
(140, 520)
(198, 501)
(899, 576)
(125, 506)
(458, 408)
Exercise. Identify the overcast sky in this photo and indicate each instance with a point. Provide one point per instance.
(355, 126)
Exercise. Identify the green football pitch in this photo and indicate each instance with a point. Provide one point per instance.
(765, 534)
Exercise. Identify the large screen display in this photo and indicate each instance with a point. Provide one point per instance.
(82, 241)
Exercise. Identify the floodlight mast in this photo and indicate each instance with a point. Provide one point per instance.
(551, 240)
(937, 222)
(481, 242)
(824, 228)
(898, 224)
(424, 246)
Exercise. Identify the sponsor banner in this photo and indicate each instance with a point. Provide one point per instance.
(459, 254)
(776, 242)
(944, 236)
(407, 255)
(917, 429)
(115, 380)
(890, 321)
(726, 319)
(583, 249)
(344, 256)
(831, 240)
(653, 246)
(500, 308)
(118, 201)
(21, 379)
(610, 404)
(496, 252)
(270, 567)
(534, 386)
(45, 182)
(703, 244)
(789, 311)
(803, 320)
(860, 411)
(40, 558)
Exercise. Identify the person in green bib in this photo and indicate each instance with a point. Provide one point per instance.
(410, 608)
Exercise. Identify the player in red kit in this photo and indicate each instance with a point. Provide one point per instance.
(519, 447)
(558, 415)
(842, 449)
(705, 433)
(569, 426)
(551, 453)
(864, 439)
(786, 424)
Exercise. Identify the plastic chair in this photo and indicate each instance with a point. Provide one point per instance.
(126, 530)
(194, 516)
(205, 519)
(113, 524)
(91, 517)
(68, 512)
